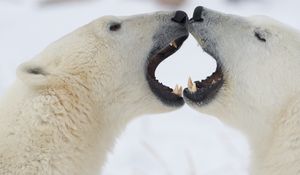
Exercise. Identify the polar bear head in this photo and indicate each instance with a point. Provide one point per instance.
(112, 61)
(258, 64)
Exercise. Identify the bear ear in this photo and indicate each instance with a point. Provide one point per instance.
(33, 74)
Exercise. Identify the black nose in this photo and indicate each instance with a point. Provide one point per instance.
(197, 16)
(180, 17)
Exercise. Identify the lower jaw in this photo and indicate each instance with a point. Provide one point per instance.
(203, 96)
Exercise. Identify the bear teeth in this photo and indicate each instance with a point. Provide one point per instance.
(178, 90)
(201, 42)
(173, 44)
(191, 86)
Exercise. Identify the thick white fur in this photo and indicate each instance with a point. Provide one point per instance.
(261, 94)
(63, 119)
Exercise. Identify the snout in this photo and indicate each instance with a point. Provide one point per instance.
(201, 18)
(198, 12)
(180, 17)
(204, 15)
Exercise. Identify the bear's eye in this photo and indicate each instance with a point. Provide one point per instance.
(260, 37)
(262, 34)
(115, 27)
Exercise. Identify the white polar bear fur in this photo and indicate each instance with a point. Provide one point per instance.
(63, 117)
(261, 93)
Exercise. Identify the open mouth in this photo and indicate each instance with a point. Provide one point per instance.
(202, 92)
(167, 95)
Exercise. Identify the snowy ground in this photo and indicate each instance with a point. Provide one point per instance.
(182, 142)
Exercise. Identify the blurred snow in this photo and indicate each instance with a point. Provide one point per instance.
(182, 142)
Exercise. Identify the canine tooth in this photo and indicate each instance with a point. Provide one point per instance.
(175, 89)
(174, 44)
(201, 42)
(178, 90)
(194, 88)
(191, 86)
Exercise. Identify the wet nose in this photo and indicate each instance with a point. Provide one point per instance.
(180, 17)
(198, 12)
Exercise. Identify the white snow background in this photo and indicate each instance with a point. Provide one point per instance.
(183, 142)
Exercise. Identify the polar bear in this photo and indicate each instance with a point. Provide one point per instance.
(255, 87)
(72, 100)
